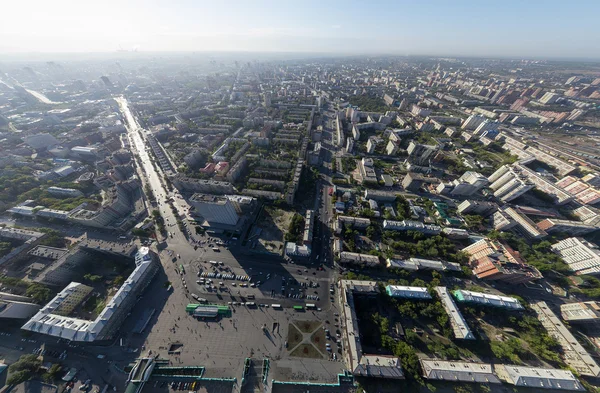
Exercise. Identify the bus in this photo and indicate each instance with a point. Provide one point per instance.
(276, 306)
(310, 306)
(298, 308)
(250, 304)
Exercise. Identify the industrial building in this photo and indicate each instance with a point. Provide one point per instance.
(583, 257)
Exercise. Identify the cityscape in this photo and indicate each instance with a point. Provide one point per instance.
(206, 221)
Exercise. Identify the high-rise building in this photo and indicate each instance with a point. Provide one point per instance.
(420, 154)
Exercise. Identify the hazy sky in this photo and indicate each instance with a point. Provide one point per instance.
(523, 28)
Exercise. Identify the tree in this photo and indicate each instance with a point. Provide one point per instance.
(92, 277)
(23, 369)
(39, 292)
(52, 373)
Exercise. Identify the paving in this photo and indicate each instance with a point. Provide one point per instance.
(222, 345)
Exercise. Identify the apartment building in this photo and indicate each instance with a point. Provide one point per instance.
(575, 228)
(573, 352)
(481, 208)
(582, 312)
(493, 260)
(525, 225)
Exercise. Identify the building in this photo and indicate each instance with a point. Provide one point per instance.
(358, 362)
(54, 320)
(453, 371)
(391, 148)
(509, 183)
(574, 228)
(359, 259)
(308, 228)
(387, 180)
(525, 226)
(538, 378)
(582, 312)
(414, 181)
(349, 222)
(349, 145)
(295, 251)
(16, 307)
(481, 208)
(502, 221)
(188, 184)
(573, 352)
(372, 143)
(457, 321)
(408, 225)
(215, 209)
(485, 299)
(549, 98)
(562, 167)
(420, 154)
(472, 122)
(493, 260)
(367, 170)
(64, 192)
(40, 141)
(583, 257)
(404, 292)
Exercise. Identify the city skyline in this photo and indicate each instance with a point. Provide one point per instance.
(533, 30)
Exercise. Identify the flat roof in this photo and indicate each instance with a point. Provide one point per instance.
(407, 292)
(487, 299)
(457, 321)
(458, 371)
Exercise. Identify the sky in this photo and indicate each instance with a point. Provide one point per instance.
(499, 28)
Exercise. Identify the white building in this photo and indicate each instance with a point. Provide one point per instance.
(215, 209)
(486, 299)
(582, 312)
(538, 378)
(582, 256)
(405, 292)
(457, 321)
(51, 319)
(64, 192)
(453, 371)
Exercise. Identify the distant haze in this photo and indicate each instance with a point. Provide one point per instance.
(531, 28)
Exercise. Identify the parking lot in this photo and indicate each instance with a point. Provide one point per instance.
(255, 330)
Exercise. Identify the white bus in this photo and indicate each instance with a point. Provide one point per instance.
(214, 263)
(276, 306)
(310, 306)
